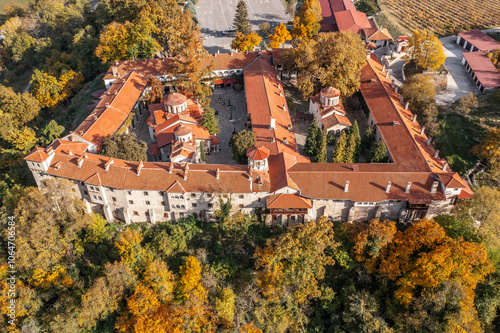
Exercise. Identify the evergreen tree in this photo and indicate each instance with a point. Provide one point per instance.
(241, 21)
(378, 153)
(202, 152)
(240, 142)
(312, 140)
(209, 121)
(340, 149)
(321, 157)
(368, 137)
(354, 144)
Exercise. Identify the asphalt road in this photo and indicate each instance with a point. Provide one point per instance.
(217, 15)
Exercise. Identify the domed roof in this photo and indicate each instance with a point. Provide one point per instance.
(174, 99)
(258, 153)
(182, 130)
(330, 92)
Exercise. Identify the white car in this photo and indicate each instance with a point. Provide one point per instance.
(229, 31)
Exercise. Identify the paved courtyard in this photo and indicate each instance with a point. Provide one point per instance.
(217, 15)
(227, 127)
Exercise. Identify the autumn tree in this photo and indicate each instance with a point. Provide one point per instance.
(225, 308)
(489, 150)
(245, 42)
(125, 147)
(22, 139)
(378, 152)
(306, 24)
(485, 209)
(467, 103)
(50, 90)
(419, 92)
(209, 121)
(339, 152)
(155, 92)
(48, 223)
(312, 139)
(280, 36)
(293, 264)
(241, 20)
(425, 49)
(240, 142)
(331, 59)
(321, 156)
(129, 247)
(23, 107)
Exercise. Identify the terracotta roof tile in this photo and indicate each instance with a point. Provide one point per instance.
(174, 99)
(257, 153)
(352, 20)
(284, 200)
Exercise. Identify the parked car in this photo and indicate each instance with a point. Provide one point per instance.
(229, 31)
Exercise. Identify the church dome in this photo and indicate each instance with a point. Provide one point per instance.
(174, 99)
(182, 130)
(330, 92)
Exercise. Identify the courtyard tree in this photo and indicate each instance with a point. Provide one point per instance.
(245, 42)
(340, 148)
(280, 36)
(321, 156)
(313, 139)
(353, 149)
(209, 121)
(125, 147)
(489, 149)
(240, 142)
(378, 152)
(306, 24)
(241, 20)
(368, 137)
(425, 49)
(419, 92)
(332, 59)
(155, 92)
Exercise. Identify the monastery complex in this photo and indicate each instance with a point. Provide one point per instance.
(278, 181)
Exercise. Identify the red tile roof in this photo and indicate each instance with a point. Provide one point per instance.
(284, 200)
(38, 154)
(174, 99)
(182, 129)
(258, 153)
(480, 40)
(485, 71)
(335, 119)
(352, 20)
(113, 108)
(377, 34)
(329, 8)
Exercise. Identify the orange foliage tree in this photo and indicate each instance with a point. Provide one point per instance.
(280, 36)
(245, 42)
(306, 24)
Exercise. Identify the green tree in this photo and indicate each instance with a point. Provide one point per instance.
(202, 152)
(378, 152)
(321, 157)
(425, 49)
(331, 59)
(209, 121)
(339, 153)
(124, 146)
(353, 149)
(51, 132)
(312, 140)
(241, 20)
(368, 137)
(240, 142)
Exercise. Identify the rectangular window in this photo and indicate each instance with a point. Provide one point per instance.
(99, 198)
(146, 193)
(259, 199)
(146, 213)
(165, 215)
(193, 195)
(163, 203)
(210, 205)
(194, 204)
(85, 192)
(111, 190)
(241, 206)
(148, 203)
(114, 199)
(209, 195)
(95, 198)
(131, 202)
(136, 213)
(241, 196)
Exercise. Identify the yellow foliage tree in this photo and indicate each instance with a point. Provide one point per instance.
(280, 36)
(114, 42)
(46, 279)
(160, 279)
(246, 42)
(22, 139)
(306, 24)
(250, 328)
(489, 149)
(50, 90)
(426, 50)
(224, 306)
(129, 246)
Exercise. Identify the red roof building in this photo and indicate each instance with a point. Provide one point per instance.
(483, 72)
(476, 40)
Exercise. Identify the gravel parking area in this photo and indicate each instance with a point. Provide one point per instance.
(217, 15)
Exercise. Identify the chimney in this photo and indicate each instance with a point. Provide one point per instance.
(50, 151)
(186, 170)
(284, 107)
(428, 141)
(278, 77)
(289, 127)
(79, 161)
(392, 83)
(422, 130)
(444, 165)
(215, 55)
(414, 117)
(346, 187)
(139, 167)
(388, 188)
(170, 167)
(434, 186)
(383, 68)
(217, 173)
(231, 53)
(58, 165)
(108, 163)
(386, 74)
(408, 185)
(281, 94)
(114, 70)
(70, 137)
(396, 91)
(279, 86)
(284, 141)
(436, 153)
(401, 98)
(70, 153)
(272, 139)
(407, 105)
(273, 123)
(218, 51)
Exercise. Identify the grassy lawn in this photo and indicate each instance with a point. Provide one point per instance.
(4, 2)
(458, 136)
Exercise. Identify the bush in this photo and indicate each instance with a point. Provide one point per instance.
(265, 28)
